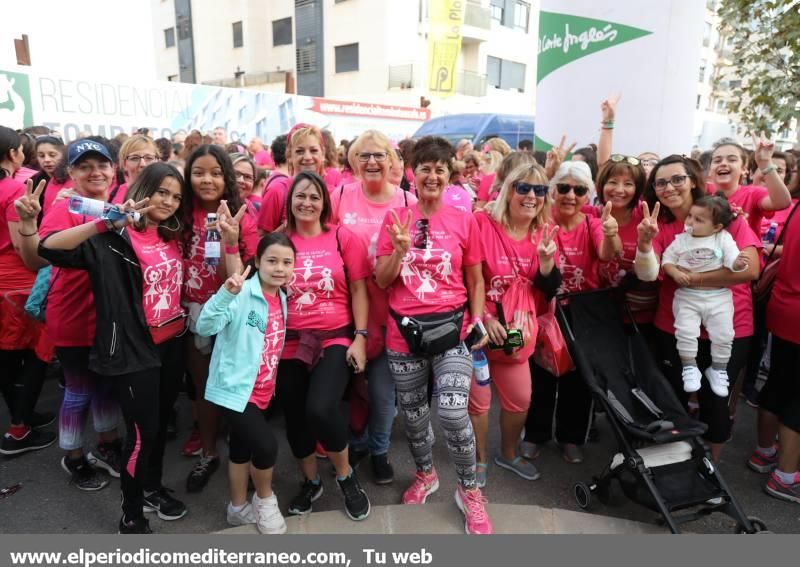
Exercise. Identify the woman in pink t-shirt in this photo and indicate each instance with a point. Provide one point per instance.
(245, 180)
(305, 151)
(136, 153)
(212, 180)
(51, 154)
(139, 266)
(561, 407)
(429, 258)
(361, 207)
(325, 341)
(675, 183)
(519, 268)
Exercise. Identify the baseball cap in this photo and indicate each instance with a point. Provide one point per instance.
(82, 148)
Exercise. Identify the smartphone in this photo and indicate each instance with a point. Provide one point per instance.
(476, 335)
(514, 340)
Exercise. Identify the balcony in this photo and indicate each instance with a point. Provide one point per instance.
(411, 75)
(250, 79)
(477, 23)
(402, 76)
(471, 84)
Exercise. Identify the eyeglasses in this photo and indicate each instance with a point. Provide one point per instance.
(564, 188)
(244, 177)
(421, 236)
(617, 158)
(363, 157)
(149, 158)
(675, 181)
(523, 189)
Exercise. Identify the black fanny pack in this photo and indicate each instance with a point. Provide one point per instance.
(427, 335)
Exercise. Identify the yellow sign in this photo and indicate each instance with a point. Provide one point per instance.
(444, 44)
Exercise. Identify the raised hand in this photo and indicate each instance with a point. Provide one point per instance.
(400, 233)
(609, 107)
(556, 155)
(648, 227)
(234, 283)
(763, 148)
(546, 248)
(610, 226)
(228, 224)
(27, 206)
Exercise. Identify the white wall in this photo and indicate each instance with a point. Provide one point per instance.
(166, 57)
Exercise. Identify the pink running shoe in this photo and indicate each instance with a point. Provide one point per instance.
(472, 504)
(424, 485)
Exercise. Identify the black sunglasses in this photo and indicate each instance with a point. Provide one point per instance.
(421, 236)
(564, 188)
(523, 189)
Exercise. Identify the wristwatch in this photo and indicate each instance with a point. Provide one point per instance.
(363, 332)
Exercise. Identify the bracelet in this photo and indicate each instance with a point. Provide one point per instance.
(607, 124)
(231, 250)
(769, 169)
(362, 332)
(34, 233)
(476, 320)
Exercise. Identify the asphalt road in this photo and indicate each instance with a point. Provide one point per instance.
(48, 504)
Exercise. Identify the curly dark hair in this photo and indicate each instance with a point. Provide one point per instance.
(718, 206)
(435, 149)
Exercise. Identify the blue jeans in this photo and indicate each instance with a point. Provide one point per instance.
(381, 393)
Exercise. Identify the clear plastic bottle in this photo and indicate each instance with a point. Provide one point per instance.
(481, 367)
(95, 208)
(212, 250)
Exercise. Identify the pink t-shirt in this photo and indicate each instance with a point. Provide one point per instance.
(70, 304)
(51, 192)
(319, 293)
(611, 273)
(485, 188)
(778, 217)
(13, 273)
(264, 387)
(578, 255)
(162, 274)
(200, 281)
(264, 159)
(24, 173)
(742, 296)
(748, 198)
(352, 209)
(332, 177)
(273, 203)
(120, 195)
(431, 279)
(457, 197)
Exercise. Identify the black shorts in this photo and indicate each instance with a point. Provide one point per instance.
(781, 394)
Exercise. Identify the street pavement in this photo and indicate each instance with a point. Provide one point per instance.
(48, 504)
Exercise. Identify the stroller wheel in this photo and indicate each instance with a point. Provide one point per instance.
(583, 495)
(759, 526)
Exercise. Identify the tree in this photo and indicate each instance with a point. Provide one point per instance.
(764, 41)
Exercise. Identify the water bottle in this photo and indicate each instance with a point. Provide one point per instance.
(98, 209)
(481, 365)
(211, 254)
(770, 236)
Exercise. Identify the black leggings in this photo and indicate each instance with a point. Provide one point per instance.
(312, 402)
(561, 408)
(714, 410)
(138, 394)
(22, 382)
(251, 438)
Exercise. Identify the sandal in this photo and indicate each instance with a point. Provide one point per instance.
(518, 466)
(481, 470)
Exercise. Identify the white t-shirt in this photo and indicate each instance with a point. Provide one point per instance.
(702, 253)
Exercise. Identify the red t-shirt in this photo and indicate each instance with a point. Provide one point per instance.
(783, 310)
(51, 192)
(273, 203)
(162, 274)
(319, 293)
(264, 387)
(431, 279)
(578, 255)
(13, 273)
(748, 198)
(485, 189)
(742, 296)
(70, 304)
(201, 281)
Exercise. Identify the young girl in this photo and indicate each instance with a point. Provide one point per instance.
(250, 329)
(136, 275)
(703, 247)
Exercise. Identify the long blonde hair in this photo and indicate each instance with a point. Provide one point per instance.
(499, 209)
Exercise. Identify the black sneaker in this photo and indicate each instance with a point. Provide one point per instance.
(356, 503)
(108, 456)
(31, 441)
(382, 471)
(38, 420)
(84, 475)
(355, 456)
(161, 502)
(309, 492)
(138, 526)
(201, 472)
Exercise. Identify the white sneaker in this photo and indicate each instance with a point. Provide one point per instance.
(718, 380)
(268, 515)
(244, 516)
(691, 378)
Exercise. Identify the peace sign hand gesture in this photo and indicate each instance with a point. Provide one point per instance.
(228, 224)
(609, 107)
(648, 227)
(27, 206)
(610, 226)
(400, 233)
(556, 155)
(130, 207)
(762, 150)
(234, 283)
(546, 248)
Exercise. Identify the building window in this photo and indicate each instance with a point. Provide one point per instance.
(238, 36)
(503, 74)
(702, 74)
(707, 34)
(720, 106)
(282, 32)
(498, 8)
(522, 12)
(346, 58)
(169, 37)
(697, 104)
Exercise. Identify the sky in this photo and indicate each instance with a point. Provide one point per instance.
(117, 34)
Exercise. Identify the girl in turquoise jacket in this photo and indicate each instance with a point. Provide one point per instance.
(248, 317)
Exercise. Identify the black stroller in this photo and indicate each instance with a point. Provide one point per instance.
(662, 463)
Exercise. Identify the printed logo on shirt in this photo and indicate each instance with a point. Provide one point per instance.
(423, 269)
(350, 218)
(312, 282)
(255, 320)
(162, 281)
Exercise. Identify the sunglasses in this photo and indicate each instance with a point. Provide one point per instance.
(618, 158)
(421, 236)
(522, 188)
(564, 188)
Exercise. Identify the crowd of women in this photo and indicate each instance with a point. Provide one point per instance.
(381, 274)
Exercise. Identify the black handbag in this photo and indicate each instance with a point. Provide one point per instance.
(427, 335)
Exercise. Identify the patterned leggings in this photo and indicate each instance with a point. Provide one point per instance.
(452, 371)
